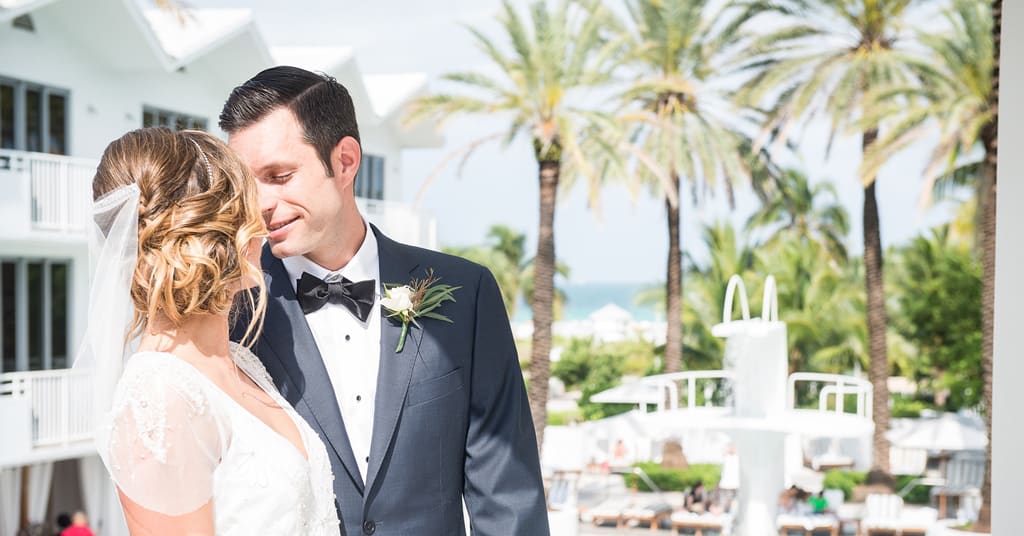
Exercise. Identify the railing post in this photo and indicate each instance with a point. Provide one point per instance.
(691, 392)
(840, 396)
(791, 392)
(860, 401)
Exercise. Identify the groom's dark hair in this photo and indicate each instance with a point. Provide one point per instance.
(321, 104)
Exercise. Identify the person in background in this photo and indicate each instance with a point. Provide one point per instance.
(79, 526)
(697, 498)
(63, 522)
(818, 502)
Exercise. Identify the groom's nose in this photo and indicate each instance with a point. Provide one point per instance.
(268, 199)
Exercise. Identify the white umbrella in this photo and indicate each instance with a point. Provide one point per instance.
(947, 431)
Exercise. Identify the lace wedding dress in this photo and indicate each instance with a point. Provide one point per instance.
(173, 441)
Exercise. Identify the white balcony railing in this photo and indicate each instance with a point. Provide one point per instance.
(683, 390)
(59, 188)
(834, 388)
(57, 194)
(667, 391)
(59, 402)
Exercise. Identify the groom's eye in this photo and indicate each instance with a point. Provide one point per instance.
(281, 178)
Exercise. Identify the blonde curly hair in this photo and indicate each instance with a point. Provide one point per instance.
(199, 220)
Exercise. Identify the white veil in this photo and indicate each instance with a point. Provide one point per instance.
(113, 250)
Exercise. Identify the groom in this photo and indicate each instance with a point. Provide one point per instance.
(410, 431)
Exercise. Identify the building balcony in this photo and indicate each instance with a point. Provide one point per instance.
(46, 416)
(49, 196)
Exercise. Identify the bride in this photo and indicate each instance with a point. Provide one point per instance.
(195, 435)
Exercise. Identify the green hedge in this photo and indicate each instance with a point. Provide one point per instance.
(676, 479)
(844, 480)
(847, 480)
(561, 418)
(917, 494)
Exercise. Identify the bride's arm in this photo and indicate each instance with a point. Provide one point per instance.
(144, 522)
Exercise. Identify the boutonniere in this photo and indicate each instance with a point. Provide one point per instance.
(420, 298)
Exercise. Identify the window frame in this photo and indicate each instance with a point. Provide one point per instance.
(20, 119)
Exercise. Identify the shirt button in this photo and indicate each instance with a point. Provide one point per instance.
(367, 459)
(348, 337)
(369, 527)
(359, 398)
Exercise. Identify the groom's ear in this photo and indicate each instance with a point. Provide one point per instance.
(345, 159)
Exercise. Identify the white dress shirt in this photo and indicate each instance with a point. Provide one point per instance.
(350, 348)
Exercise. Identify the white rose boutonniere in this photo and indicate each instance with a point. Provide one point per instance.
(420, 298)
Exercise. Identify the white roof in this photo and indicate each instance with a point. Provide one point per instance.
(611, 313)
(322, 59)
(170, 40)
(388, 92)
(10, 9)
(188, 34)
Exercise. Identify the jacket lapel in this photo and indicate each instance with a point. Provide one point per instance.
(395, 369)
(291, 341)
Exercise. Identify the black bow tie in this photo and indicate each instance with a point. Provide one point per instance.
(314, 292)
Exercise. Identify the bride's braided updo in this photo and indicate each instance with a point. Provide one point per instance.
(199, 220)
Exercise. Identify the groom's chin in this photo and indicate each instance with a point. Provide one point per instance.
(280, 250)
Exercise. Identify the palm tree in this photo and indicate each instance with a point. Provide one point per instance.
(504, 255)
(826, 58)
(555, 55)
(813, 286)
(959, 98)
(681, 125)
(807, 213)
(728, 254)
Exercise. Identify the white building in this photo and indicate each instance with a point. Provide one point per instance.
(75, 75)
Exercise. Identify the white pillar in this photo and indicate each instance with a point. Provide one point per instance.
(1008, 368)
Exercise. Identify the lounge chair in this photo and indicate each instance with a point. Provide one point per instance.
(964, 476)
(702, 523)
(807, 525)
(651, 513)
(884, 514)
(609, 511)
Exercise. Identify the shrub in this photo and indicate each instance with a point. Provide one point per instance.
(561, 418)
(675, 479)
(917, 494)
(844, 480)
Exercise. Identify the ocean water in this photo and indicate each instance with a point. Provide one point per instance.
(585, 298)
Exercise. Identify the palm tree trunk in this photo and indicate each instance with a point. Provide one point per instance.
(674, 290)
(987, 205)
(543, 297)
(876, 318)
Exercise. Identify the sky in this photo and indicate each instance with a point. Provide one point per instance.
(498, 185)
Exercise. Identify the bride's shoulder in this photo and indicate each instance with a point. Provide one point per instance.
(159, 378)
(248, 362)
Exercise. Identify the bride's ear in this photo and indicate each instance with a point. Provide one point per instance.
(345, 159)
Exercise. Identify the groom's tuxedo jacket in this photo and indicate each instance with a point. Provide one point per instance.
(451, 417)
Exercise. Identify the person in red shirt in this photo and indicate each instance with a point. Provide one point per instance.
(79, 526)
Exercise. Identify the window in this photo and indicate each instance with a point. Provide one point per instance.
(33, 117)
(33, 314)
(370, 177)
(155, 117)
(6, 115)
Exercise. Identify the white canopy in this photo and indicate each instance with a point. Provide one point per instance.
(947, 431)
